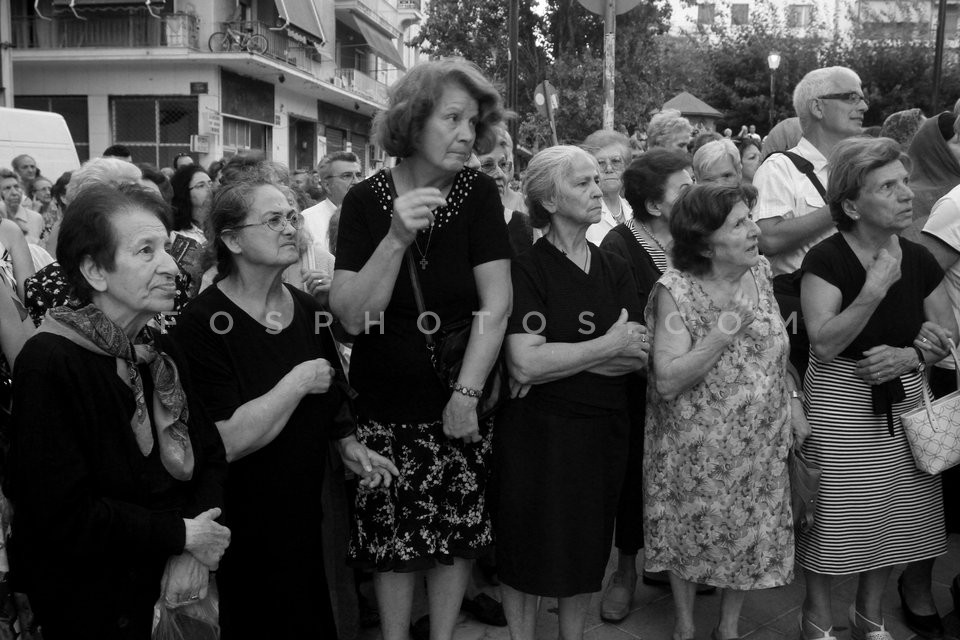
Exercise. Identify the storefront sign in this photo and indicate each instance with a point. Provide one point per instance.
(214, 123)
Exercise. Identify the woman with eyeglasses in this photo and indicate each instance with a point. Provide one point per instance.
(192, 191)
(612, 152)
(268, 374)
(498, 165)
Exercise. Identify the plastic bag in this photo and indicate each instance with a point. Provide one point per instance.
(195, 621)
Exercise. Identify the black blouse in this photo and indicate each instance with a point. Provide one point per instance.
(390, 367)
(554, 298)
(897, 320)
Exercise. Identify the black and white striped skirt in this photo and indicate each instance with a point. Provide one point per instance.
(876, 509)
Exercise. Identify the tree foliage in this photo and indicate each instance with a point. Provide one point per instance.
(724, 66)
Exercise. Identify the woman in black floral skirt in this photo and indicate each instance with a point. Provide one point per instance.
(450, 221)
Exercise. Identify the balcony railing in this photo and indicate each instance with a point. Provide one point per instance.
(379, 11)
(132, 28)
(361, 83)
(279, 46)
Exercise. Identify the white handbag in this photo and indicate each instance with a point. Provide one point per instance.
(933, 430)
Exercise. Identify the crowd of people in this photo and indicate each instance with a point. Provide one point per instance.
(211, 365)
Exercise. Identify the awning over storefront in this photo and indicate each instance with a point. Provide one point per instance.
(380, 44)
(302, 14)
(90, 4)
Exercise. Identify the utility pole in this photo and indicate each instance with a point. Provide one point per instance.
(513, 71)
(609, 9)
(938, 56)
(609, 61)
(6, 61)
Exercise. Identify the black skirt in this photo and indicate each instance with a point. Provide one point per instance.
(558, 475)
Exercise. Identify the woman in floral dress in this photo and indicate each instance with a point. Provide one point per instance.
(720, 412)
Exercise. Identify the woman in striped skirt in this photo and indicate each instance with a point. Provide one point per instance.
(877, 314)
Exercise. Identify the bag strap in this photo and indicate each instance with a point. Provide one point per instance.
(805, 167)
(927, 400)
(417, 292)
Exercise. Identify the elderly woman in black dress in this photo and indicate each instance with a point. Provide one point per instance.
(431, 216)
(572, 340)
(115, 469)
(266, 365)
(651, 184)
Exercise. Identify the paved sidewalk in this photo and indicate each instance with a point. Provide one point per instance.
(767, 615)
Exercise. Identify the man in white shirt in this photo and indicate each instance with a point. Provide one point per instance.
(790, 210)
(338, 172)
(612, 152)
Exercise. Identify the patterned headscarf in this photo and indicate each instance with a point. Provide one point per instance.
(89, 328)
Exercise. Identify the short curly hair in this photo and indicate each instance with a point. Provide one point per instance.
(665, 125)
(414, 97)
(850, 163)
(696, 214)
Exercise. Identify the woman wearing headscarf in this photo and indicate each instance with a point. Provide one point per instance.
(935, 155)
(115, 470)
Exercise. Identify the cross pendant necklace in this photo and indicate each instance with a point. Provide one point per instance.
(423, 254)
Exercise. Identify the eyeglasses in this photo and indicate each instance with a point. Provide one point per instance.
(206, 184)
(275, 222)
(490, 167)
(850, 97)
(350, 175)
(616, 164)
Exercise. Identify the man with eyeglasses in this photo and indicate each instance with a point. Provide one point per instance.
(338, 172)
(790, 210)
(612, 152)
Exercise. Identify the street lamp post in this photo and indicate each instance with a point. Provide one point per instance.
(773, 61)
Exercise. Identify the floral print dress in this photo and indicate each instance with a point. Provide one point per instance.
(716, 491)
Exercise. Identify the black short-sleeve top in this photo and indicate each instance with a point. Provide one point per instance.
(555, 298)
(897, 320)
(389, 367)
(235, 359)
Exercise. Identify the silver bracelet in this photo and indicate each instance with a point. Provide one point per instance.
(467, 391)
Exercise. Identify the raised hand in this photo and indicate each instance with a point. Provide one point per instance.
(413, 212)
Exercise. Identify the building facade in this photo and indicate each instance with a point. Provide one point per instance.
(874, 18)
(291, 79)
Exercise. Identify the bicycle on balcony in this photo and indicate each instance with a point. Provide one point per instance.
(234, 40)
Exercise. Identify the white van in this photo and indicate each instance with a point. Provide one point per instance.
(42, 135)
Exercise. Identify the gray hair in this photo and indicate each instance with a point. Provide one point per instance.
(850, 163)
(603, 138)
(323, 169)
(816, 83)
(15, 163)
(545, 173)
(714, 152)
(112, 172)
(664, 125)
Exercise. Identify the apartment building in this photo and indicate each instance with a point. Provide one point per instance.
(292, 79)
(876, 18)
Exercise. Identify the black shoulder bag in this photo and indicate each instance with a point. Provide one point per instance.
(448, 347)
